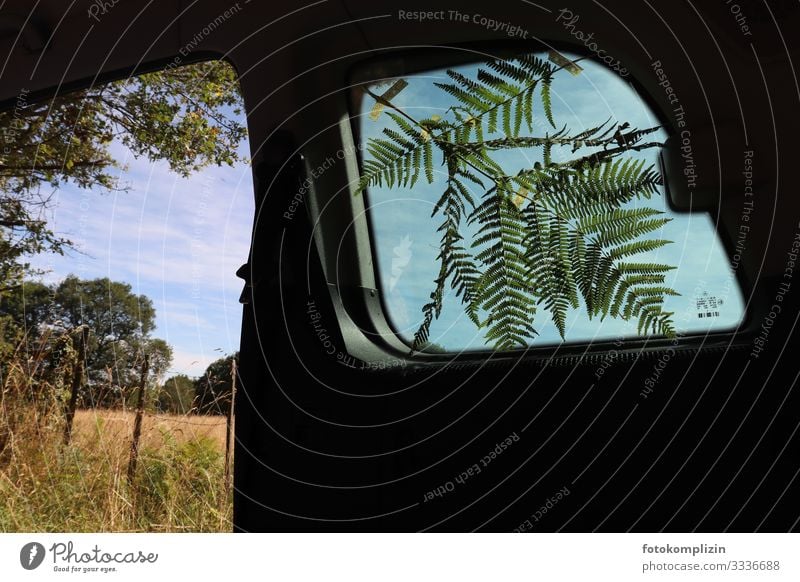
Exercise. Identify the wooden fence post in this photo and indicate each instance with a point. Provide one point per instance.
(229, 429)
(77, 380)
(137, 424)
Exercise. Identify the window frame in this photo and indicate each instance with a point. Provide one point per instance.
(367, 315)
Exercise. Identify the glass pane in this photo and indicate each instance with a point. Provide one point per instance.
(408, 245)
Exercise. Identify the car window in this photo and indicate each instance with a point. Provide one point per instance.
(583, 101)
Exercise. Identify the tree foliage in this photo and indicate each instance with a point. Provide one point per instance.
(548, 237)
(24, 310)
(177, 395)
(118, 323)
(179, 115)
(214, 388)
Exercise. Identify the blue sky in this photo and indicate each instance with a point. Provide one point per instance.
(178, 241)
(407, 246)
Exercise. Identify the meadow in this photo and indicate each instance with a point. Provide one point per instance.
(47, 486)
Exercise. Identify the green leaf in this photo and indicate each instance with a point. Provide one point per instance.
(546, 102)
(571, 238)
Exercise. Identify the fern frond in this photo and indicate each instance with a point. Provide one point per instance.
(545, 237)
(455, 263)
(505, 283)
(546, 100)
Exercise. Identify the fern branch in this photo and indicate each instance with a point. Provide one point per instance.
(548, 235)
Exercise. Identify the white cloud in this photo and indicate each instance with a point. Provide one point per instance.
(178, 241)
(192, 364)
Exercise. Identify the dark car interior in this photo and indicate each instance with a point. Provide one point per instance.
(339, 425)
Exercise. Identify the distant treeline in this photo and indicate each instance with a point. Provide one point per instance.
(46, 329)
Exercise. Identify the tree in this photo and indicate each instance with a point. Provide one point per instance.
(160, 353)
(119, 322)
(29, 306)
(177, 395)
(109, 307)
(23, 313)
(117, 318)
(213, 388)
(179, 115)
(127, 372)
(46, 353)
(544, 237)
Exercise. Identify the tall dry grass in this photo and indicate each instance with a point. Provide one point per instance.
(47, 486)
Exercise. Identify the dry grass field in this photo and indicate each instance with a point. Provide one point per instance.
(111, 430)
(82, 487)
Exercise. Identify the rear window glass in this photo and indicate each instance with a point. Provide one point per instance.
(519, 202)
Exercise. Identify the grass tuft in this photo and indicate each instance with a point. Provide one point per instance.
(46, 486)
